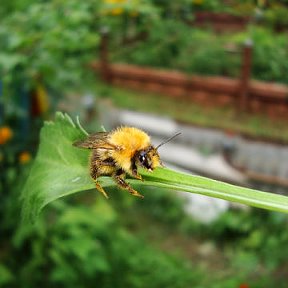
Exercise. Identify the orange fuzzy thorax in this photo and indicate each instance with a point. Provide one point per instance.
(129, 140)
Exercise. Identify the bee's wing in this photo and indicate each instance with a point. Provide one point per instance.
(96, 140)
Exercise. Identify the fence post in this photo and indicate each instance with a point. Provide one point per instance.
(245, 75)
(104, 57)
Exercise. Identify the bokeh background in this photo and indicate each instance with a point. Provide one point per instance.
(215, 70)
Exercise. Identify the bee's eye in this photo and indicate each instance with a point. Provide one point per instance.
(142, 157)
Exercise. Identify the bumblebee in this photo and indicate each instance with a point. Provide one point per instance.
(121, 152)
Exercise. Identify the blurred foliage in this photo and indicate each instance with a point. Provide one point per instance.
(203, 52)
(53, 46)
(270, 56)
(276, 16)
(86, 245)
(86, 241)
(258, 235)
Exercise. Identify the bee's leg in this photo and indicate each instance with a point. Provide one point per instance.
(119, 177)
(136, 175)
(100, 189)
(95, 172)
(135, 172)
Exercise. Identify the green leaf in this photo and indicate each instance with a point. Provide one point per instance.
(6, 275)
(201, 185)
(61, 169)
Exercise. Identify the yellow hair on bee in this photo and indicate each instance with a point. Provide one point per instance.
(129, 140)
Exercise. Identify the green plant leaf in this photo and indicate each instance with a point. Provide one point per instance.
(61, 169)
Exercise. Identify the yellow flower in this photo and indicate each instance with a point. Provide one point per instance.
(115, 7)
(5, 134)
(117, 11)
(24, 157)
(114, 1)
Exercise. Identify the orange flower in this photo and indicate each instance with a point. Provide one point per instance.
(243, 285)
(5, 134)
(24, 157)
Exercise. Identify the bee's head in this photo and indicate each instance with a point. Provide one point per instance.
(148, 158)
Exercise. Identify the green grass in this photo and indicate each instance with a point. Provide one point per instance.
(183, 110)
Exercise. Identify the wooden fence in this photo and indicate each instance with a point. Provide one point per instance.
(244, 94)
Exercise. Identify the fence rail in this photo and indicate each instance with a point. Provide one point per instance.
(245, 95)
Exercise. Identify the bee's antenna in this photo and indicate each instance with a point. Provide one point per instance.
(168, 140)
